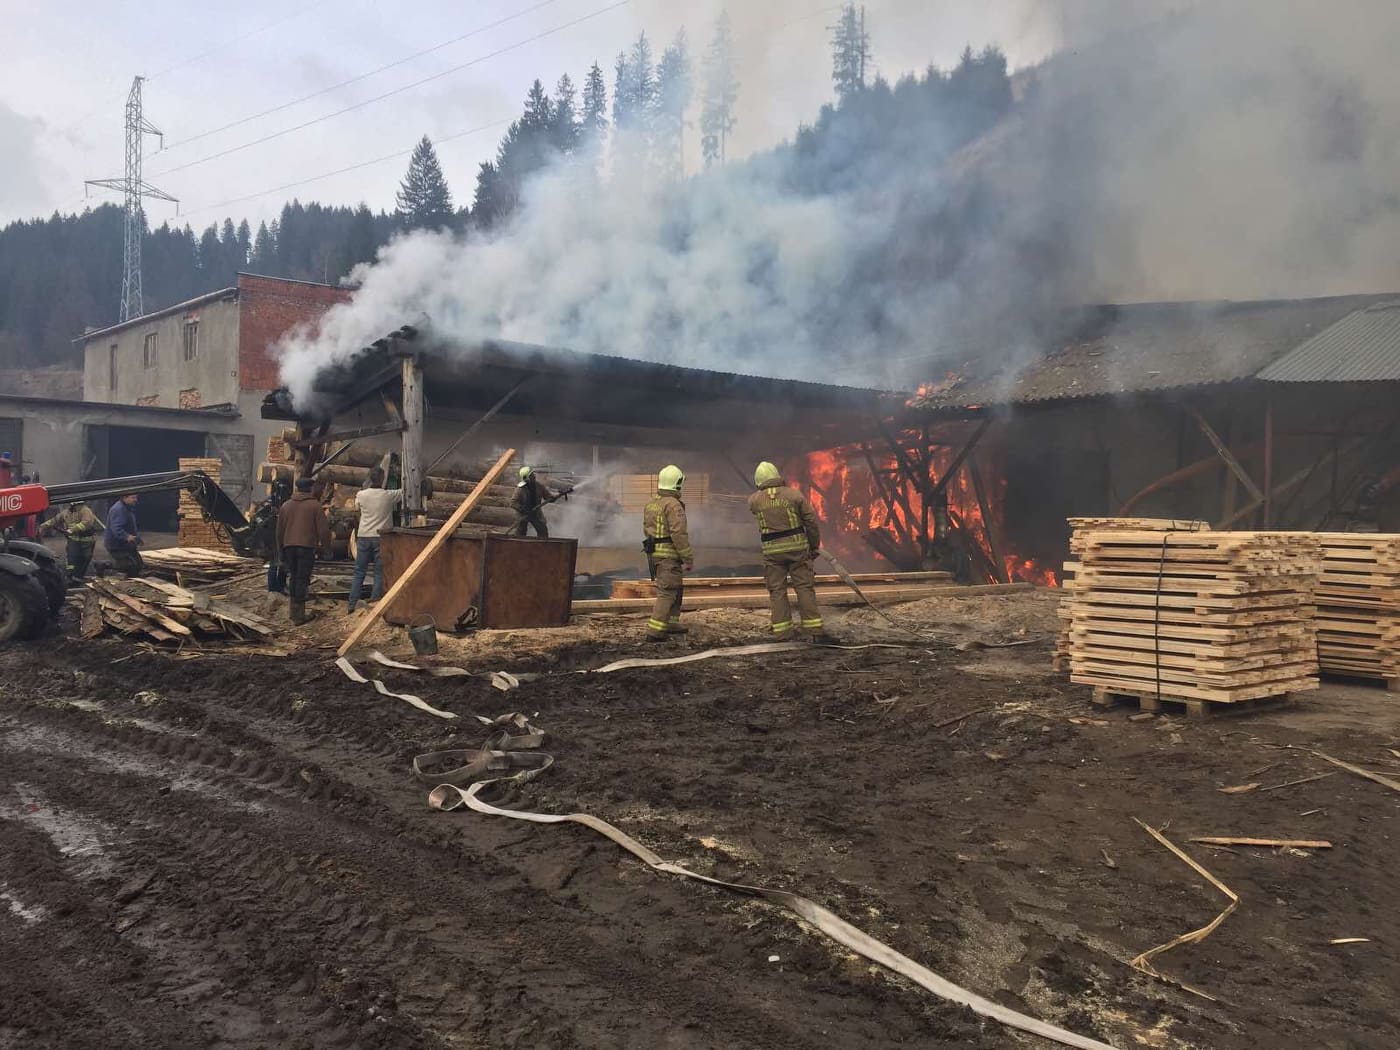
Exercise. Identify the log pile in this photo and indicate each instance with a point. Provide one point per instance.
(195, 565)
(1218, 617)
(163, 612)
(1358, 605)
(1081, 526)
(193, 529)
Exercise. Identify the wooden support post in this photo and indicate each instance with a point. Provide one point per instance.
(412, 436)
(426, 554)
(1225, 454)
(1268, 494)
(1229, 497)
(993, 543)
(886, 494)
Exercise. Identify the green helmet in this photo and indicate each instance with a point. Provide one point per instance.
(766, 474)
(526, 473)
(670, 479)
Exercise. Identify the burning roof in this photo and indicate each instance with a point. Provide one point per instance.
(1139, 348)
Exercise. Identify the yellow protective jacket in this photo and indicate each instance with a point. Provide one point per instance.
(664, 524)
(787, 523)
(77, 523)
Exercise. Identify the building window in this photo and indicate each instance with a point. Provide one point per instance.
(112, 368)
(191, 340)
(148, 351)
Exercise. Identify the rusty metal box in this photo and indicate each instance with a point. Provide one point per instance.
(512, 582)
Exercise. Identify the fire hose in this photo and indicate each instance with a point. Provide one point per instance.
(512, 754)
(524, 764)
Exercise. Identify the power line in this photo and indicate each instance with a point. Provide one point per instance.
(353, 167)
(363, 76)
(204, 54)
(397, 91)
(238, 39)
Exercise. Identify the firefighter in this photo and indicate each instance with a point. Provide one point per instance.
(790, 536)
(531, 494)
(669, 554)
(80, 526)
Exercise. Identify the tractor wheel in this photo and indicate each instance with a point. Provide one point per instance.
(53, 578)
(24, 608)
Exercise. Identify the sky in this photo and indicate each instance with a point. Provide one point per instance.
(69, 67)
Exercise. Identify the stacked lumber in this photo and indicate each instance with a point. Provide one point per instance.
(193, 530)
(1220, 617)
(1059, 660)
(754, 585)
(166, 613)
(1358, 605)
(196, 565)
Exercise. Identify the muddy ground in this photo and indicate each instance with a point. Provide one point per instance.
(231, 850)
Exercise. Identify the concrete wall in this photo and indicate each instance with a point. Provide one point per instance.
(211, 378)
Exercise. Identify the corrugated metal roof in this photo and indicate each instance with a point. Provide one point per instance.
(1363, 347)
(1145, 347)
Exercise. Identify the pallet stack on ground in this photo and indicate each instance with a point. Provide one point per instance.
(1059, 660)
(1201, 618)
(193, 530)
(1358, 606)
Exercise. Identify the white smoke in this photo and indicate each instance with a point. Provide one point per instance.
(1239, 150)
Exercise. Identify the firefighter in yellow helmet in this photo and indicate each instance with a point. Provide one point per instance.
(669, 553)
(791, 537)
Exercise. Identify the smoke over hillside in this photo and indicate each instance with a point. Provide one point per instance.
(1228, 151)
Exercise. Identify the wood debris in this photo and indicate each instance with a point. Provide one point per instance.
(196, 565)
(164, 612)
(1227, 840)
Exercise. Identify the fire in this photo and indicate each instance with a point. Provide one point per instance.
(886, 508)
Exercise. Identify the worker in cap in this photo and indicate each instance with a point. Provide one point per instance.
(80, 527)
(790, 537)
(669, 554)
(531, 495)
(302, 530)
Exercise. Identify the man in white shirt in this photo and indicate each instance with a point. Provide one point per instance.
(377, 505)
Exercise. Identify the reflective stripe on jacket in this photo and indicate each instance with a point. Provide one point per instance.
(663, 522)
(786, 521)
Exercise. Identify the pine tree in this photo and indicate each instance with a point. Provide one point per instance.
(850, 52)
(674, 89)
(361, 238)
(595, 106)
(719, 94)
(424, 200)
(264, 251)
(622, 95)
(539, 113)
(564, 126)
(245, 244)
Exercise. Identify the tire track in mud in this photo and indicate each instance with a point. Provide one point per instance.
(291, 897)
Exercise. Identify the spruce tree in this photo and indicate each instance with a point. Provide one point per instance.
(564, 124)
(595, 105)
(264, 251)
(424, 200)
(674, 88)
(850, 52)
(719, 93)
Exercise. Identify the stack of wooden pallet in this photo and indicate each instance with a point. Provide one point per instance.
(1201, 617)
(1080, 526)
(196, 565)
(166, 613)
(1358, 605)
(193, 529)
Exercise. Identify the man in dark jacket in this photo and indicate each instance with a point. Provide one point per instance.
(122, 537)
(302, 530)
(531, 495)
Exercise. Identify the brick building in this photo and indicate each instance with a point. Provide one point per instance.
(210, 354)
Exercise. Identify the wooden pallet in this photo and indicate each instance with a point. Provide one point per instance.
(1191, 708)
(1358, 599)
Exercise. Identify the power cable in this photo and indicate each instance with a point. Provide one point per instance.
(396, 91)
(362, 76)
(341, 171)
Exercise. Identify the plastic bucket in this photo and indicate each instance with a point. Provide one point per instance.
(424, 636)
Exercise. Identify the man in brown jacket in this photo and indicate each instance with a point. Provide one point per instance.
(791, 537)
(302, 530)
(667, 544)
